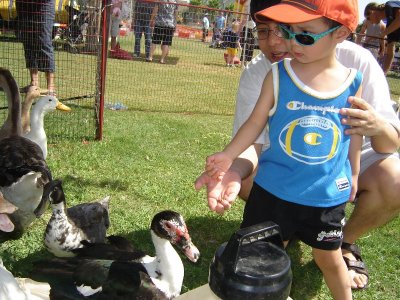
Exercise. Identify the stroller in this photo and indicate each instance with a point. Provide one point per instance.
(217, 39)
(71, 36)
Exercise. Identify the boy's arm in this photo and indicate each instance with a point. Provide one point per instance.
(362, 31)
(219, 163)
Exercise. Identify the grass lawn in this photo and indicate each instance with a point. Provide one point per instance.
(148, 162)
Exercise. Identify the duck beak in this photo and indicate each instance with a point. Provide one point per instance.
(62, 107)
(191, 252)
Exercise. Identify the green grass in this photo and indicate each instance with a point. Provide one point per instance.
(148, 162)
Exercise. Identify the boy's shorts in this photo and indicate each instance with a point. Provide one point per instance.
(232, 51)
(318, 227)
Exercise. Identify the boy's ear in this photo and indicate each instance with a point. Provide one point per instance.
(342, 33)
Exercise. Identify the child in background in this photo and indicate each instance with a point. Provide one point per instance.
(232, 43)
(311, 168)
(116, 18)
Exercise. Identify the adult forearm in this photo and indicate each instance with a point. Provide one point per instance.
(247, 161)
(388, 141)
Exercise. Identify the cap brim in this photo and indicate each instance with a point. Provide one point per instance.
(285, 13)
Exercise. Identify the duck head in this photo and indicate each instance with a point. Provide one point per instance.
(49, 103)
(54, 192)
(171, 226)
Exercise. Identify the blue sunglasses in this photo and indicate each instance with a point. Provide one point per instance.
(305, 39)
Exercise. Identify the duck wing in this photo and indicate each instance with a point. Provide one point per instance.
(92, 218)
(19, 156)
(117, 279)
(117, 248)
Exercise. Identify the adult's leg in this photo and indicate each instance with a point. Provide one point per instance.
(152, 49)
(138, 36)
(164, 53)
(377, 204)
(46, 58)
(50, 83)
(389, 57)
(147, 36)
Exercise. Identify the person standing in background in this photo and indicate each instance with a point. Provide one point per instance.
(35, 20)
(232, 41)
(141, 25)
(206, 26)
(163, 19)
(219, 27)
(390, 11)
(372, 40)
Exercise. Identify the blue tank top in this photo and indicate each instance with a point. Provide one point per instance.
(307, 162)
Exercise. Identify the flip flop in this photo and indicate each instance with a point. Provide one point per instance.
(356, 265)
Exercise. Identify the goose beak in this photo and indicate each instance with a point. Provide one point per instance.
(62, 107)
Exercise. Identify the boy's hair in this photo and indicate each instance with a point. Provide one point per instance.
(344, 12)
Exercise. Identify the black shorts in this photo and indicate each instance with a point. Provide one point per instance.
(318, 227)
(163, 35)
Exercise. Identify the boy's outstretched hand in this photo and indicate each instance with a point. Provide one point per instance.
(220, 193)
(217, 165)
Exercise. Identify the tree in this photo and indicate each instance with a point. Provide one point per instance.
(213, 3)
(196, 2)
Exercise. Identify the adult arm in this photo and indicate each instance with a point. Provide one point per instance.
(372, 114)
(385, 137)
(153, 15)
(393, 26)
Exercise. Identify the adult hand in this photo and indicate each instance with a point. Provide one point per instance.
(362, 118)
(220, 193)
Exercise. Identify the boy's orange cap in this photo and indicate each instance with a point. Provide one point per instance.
(298, 11)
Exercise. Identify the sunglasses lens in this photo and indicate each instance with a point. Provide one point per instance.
(284, 32)
(304, 39)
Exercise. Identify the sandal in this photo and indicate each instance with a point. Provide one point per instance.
(356, 265)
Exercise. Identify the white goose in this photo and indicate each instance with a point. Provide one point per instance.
(44, 105)
(158, 277)
(23, 170)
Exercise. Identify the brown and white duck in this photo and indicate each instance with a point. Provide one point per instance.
(158, 277)
(68, 227)
(23, 170)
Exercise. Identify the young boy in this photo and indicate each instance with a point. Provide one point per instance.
(232, 39)
(310, 170)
